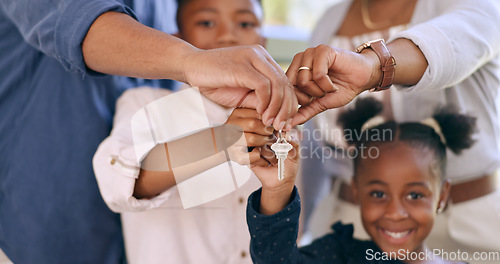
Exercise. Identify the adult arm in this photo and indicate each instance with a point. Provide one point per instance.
(456, 43)
(115, 43)
(434, 54)
(118, 44)
(57, 28)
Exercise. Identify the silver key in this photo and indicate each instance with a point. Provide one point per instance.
(281, 148)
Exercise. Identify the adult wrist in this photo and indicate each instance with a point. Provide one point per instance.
(376, 73)
(385, 71)
(189, 59)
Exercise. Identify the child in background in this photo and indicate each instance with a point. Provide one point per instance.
(164, 232)
(398, 183)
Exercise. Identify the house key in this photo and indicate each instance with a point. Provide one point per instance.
(281, 148)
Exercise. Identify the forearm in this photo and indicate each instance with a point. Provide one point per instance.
(117, 44)
(171, 163)
(151, 183)
(410, 63)
(457, 50)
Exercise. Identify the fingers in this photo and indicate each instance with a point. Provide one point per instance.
(268, 154)
(282, 104)
(289, 110)
(246, 113)
(294, 110)
(244, 68)
(260, 163)
(248, 120)
(303, 98)
(321, 65)
(253, 156)
(256, 140)
(293, 155)
(242, 157)
(293, 69)
(314, 82)
(307, 112)
(305, 80)
(269, 95)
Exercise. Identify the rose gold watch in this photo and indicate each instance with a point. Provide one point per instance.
(387, 62)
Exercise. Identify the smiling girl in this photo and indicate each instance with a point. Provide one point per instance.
(400, 190)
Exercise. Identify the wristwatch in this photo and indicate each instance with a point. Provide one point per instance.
(387, 62)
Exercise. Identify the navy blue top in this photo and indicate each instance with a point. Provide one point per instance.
(273, 239)
(54, 112)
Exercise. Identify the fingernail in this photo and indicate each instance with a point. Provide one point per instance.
(269, 122)
(288, 127)
(281, 125)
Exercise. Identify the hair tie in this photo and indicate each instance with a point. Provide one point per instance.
(373, 122)
(430, 121)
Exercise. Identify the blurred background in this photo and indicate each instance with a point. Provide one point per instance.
(288, 25)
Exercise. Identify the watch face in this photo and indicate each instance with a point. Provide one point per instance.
(362, 47)
(369, 44)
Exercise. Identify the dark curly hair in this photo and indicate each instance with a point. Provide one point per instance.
(456, 128)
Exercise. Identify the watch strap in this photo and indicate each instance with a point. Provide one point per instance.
(387, 62)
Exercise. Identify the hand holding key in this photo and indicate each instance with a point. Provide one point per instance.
(276, 191)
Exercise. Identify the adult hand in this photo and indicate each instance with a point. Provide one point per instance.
(335, 78)
(117, 44)
(227, 75)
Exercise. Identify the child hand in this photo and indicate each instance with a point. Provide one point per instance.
(256, 136)
(275, 193)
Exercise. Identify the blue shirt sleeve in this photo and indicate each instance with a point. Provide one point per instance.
(58, 27)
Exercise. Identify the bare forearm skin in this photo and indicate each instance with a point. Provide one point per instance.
(119, 45)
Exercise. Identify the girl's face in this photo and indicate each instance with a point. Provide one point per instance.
(398, 195)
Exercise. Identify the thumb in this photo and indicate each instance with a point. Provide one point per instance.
(307, 112)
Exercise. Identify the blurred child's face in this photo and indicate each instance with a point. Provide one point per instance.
(398, 196)
(209, 24)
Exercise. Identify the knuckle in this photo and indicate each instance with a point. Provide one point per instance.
(263, 83)
(322, 47)
(252, 123)
(298, 55)
(250, 139)
(302, 82)
(318, 76)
